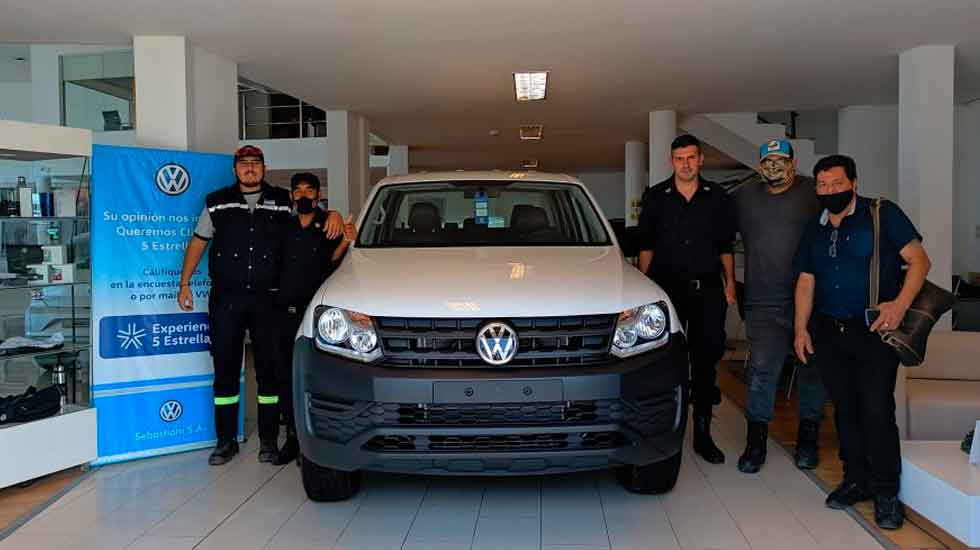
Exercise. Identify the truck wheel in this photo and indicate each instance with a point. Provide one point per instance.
(652, 479)
(326, 484)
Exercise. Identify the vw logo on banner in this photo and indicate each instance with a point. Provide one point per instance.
(171, 410)
(173, 179)
(497, 343)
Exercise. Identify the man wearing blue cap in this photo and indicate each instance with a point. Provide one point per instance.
(771, 217)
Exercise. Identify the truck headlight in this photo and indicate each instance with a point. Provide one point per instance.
(346, 333)
(641, 329)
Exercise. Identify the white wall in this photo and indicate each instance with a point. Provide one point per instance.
(609, 190)
(966, 191)
(46, 77)
(15, 101)
(300, 154)
(869, 134)
(819, 126)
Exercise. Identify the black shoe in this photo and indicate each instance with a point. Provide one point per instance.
(847, 494)
(807, 449)
(703, 444)
(223, 453)
(889, 512)
(268, 451)
(289, 451)
(754, 456)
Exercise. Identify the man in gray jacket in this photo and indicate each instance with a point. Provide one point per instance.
(771, 218)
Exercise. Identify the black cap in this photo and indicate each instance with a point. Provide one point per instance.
(308, 178)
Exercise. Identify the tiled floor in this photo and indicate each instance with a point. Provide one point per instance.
(914, 535)
(180, 503)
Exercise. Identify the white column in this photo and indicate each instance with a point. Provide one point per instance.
(869, 135)
(214, 92)
(926, 146)
(398, 160)
(663, 130)
(46, 84)
(636, 179)
(163, 115)
(348, 173)
(186, 97)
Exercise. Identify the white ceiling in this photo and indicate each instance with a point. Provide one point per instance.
(436, 74)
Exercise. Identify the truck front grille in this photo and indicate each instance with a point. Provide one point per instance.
(451, 343)
(340, 422)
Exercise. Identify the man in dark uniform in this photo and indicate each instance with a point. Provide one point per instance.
(686, 234)
(243, 223)
(858, 369)
(308, 259)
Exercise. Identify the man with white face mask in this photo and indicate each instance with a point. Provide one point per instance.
(771, 218)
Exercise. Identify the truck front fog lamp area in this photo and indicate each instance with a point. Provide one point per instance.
(346, 333)
(641, 329)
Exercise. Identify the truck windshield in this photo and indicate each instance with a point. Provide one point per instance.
(476, 213)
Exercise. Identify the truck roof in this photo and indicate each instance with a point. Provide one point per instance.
(480, 175)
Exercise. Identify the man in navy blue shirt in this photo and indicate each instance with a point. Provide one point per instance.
(835, 329)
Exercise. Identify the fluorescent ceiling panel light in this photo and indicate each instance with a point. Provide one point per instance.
(530, 86)
(532, 132)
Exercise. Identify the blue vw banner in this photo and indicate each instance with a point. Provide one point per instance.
(152, 370)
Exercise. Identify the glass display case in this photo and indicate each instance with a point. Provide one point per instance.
(45, 275)
(45, 294)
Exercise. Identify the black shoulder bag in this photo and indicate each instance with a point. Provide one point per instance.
(910, 337)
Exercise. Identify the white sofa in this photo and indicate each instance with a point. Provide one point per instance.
(940, 400)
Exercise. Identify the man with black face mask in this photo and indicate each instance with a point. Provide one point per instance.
(308, 259)
(859, 370)
(243, 224)
(771, 217)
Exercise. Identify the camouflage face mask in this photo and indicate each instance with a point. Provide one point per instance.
(775, 171)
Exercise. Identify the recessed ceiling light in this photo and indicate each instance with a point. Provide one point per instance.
(532, 132)
(531, 86)
(528, 164)
(495, 132)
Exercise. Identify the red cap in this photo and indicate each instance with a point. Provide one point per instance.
(249, 151)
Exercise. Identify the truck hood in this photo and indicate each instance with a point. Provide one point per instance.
(487, 282)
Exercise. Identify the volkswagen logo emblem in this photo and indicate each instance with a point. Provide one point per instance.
(173, 179)
(497, 343)
(171, 410)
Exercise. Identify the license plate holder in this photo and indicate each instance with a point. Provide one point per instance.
(497, 391)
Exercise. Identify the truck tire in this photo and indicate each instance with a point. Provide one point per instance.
(652, 479)
(326, 484)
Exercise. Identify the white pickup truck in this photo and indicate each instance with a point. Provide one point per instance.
(486, 323)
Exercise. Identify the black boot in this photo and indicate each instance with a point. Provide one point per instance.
(754, 456)
(226, 429)
(223, 453)
(889, 513)
(268, 450)
(807, 437)
(703, 444)
(290, 449)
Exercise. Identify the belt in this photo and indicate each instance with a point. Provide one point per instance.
(845, 325)
(711, 281)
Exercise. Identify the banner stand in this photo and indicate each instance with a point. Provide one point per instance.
(152, 371)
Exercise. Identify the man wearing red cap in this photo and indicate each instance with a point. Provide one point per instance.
(243, 224)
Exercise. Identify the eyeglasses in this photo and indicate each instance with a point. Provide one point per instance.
(833, 244)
